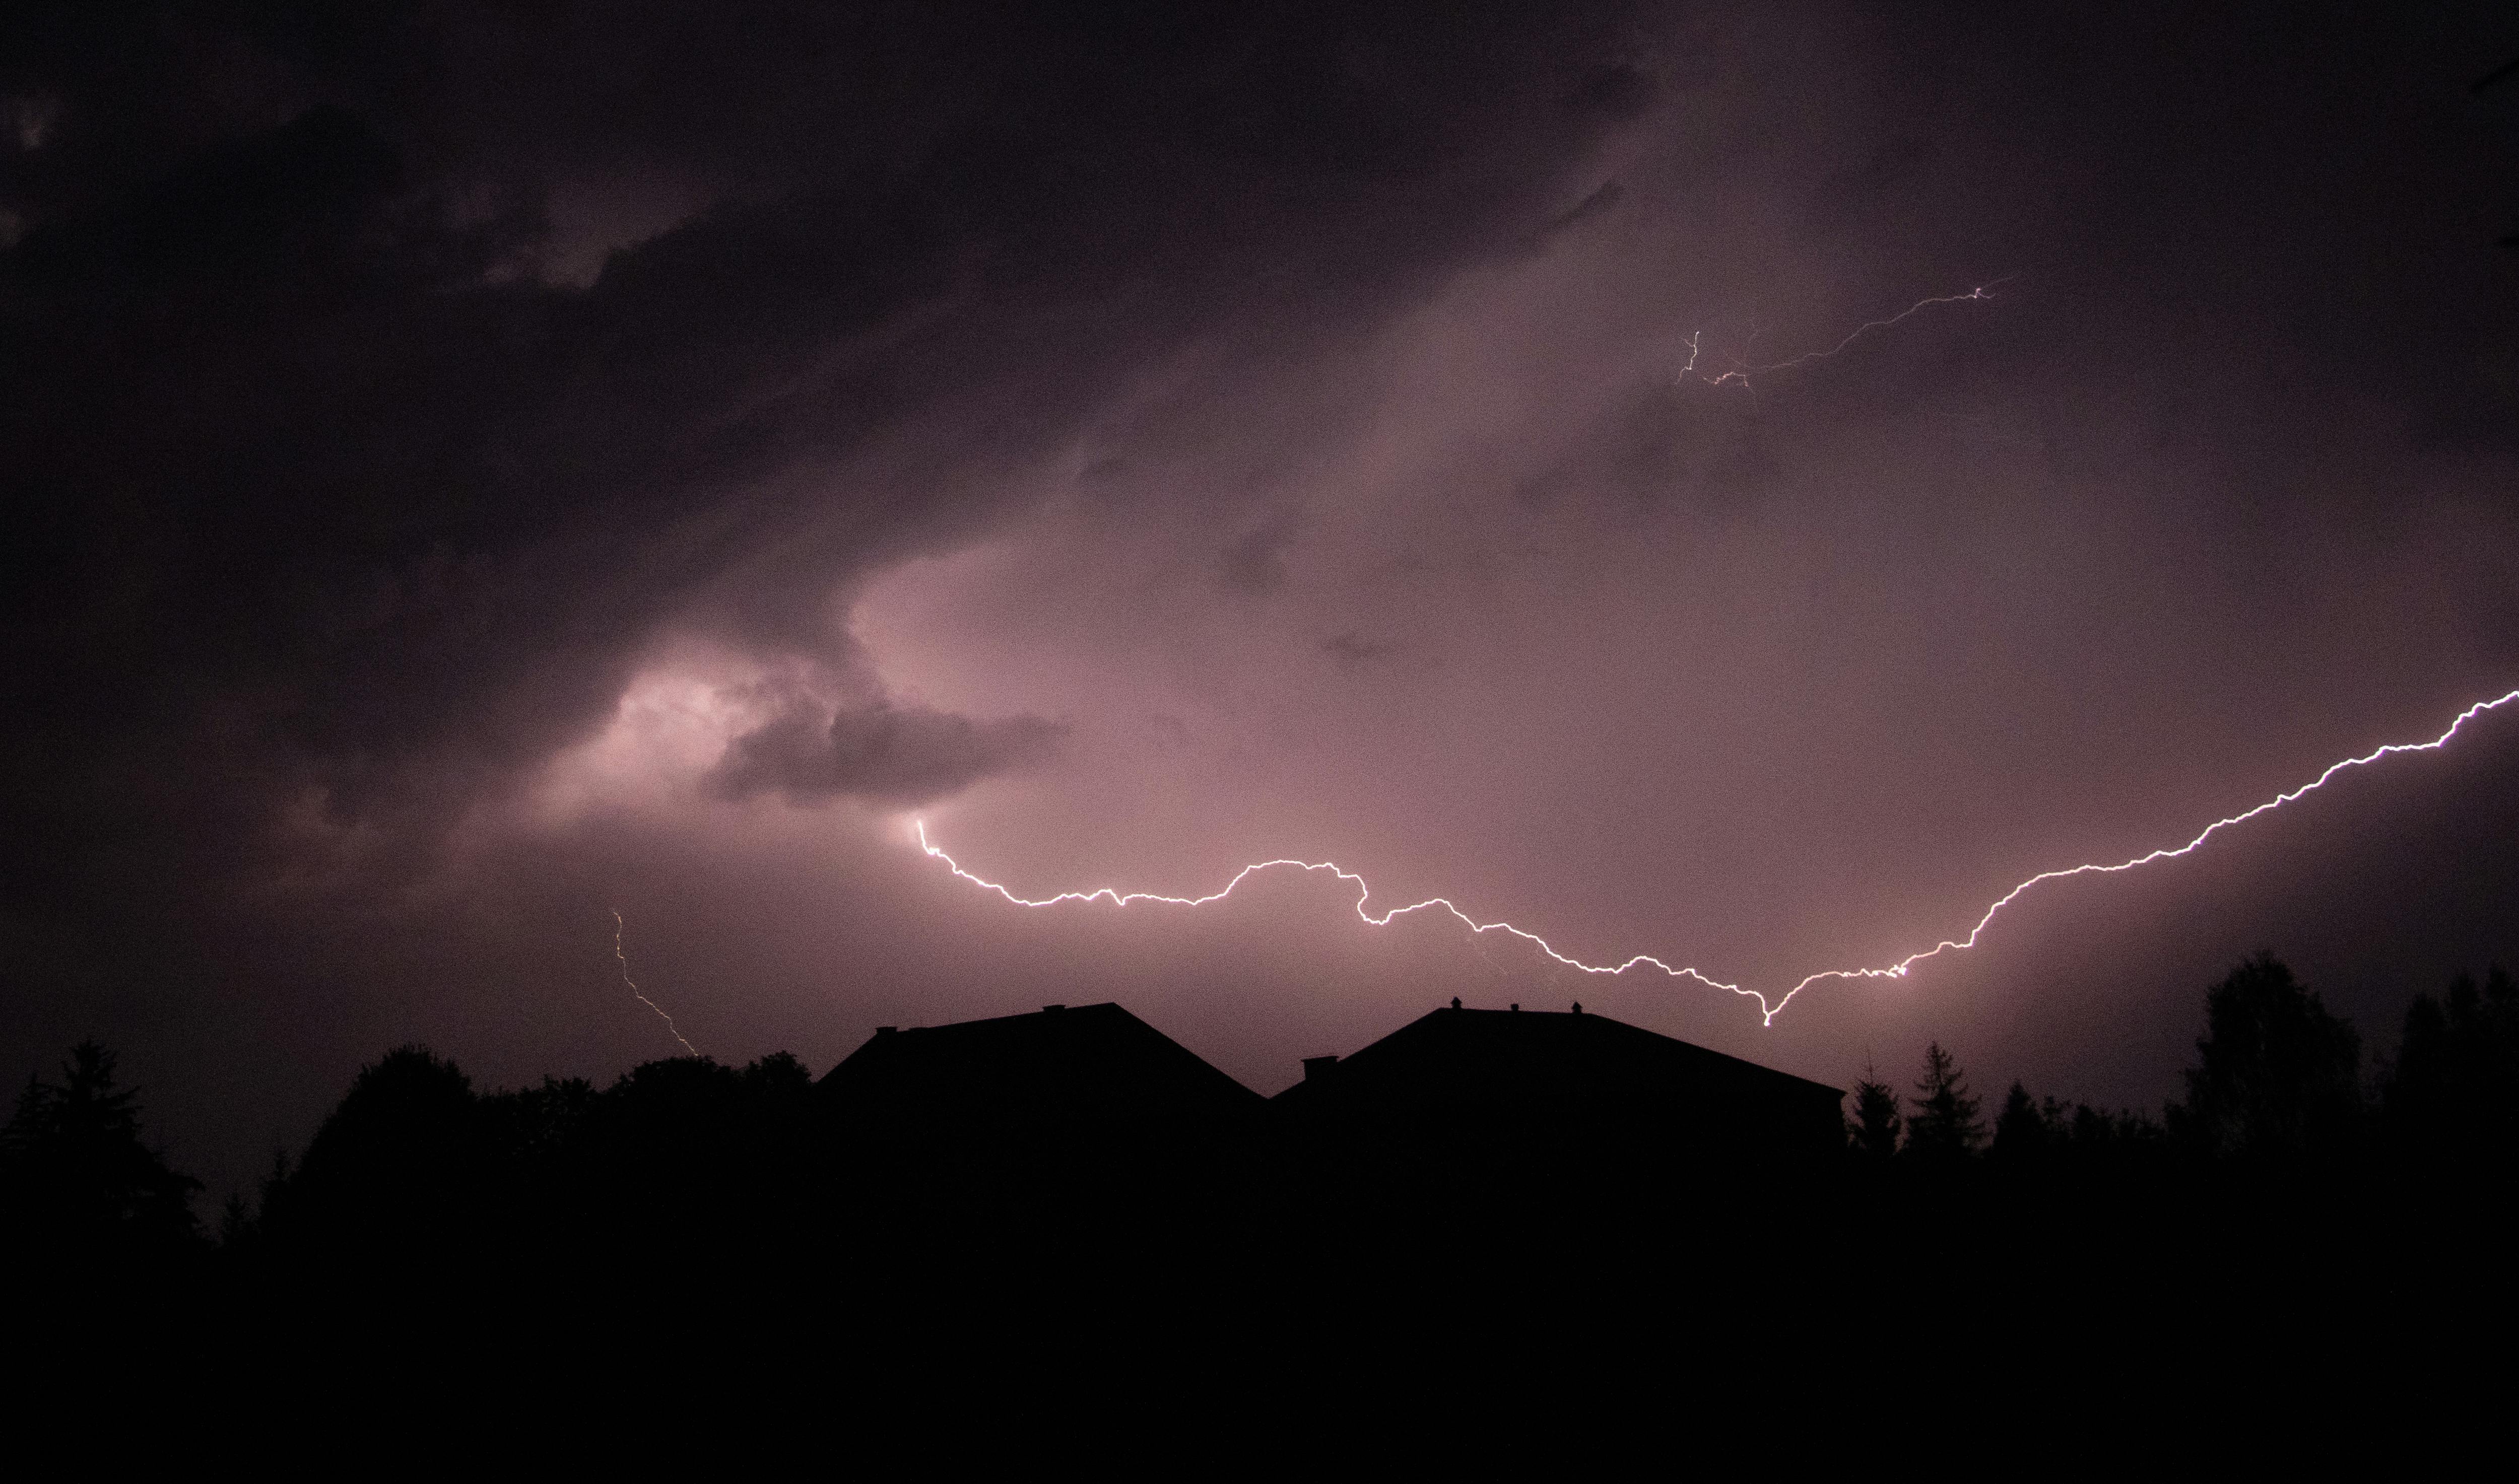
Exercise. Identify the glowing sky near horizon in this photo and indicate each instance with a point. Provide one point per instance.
(1767, 1010)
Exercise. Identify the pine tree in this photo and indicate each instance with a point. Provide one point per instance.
(1873, 1133)
(76, 1176)
(2022, 1130)
(1945, 1125)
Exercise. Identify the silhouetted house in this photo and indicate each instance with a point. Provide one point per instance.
(1089, 1104)
(1480, 1093)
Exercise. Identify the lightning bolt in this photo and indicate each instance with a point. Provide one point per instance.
(618, 928)
(1740, 372)
(1768, 1010)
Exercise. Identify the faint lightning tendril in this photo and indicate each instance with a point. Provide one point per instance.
(1768, 1010)
(1740, 372)
(618, 928)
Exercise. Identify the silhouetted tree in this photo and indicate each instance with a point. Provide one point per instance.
(2092, 1131)
(2280, 1080)
(1874, 1129)
(1945, 1125)
(399, 1163)
(2023, 1131)
(2453, 1089)
(2074, 1137)
(241, 1224)
(664, 1149)
(536, 1125)
(75, 1178)
(415, 1165)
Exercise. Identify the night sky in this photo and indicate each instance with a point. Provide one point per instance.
(473, 469)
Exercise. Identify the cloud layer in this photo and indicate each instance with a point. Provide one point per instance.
(746, 426)
(885, 753)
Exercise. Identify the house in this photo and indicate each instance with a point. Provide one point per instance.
(1462, 1091)
(1076, 1102)
(1089, 1117)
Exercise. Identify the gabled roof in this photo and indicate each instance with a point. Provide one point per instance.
(1056, 1069)
(1539, 1044)
(1538, 1074)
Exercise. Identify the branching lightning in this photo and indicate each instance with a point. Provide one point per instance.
(1741, 370)
(1768, 1010)
(618, 928)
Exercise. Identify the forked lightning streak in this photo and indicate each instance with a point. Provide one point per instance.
(1740, 372)
(1768, 1010)
(618, 928)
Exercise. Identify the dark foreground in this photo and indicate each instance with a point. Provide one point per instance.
(2284, 1227)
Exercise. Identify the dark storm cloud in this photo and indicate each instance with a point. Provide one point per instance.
(897, 755)
(381, 388)
(1661, 443)
(322, 493)
(405, 409)
(1256, 561)
(1351, 649)
(1600, 202)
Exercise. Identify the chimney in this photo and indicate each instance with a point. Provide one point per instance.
(1318, 1068)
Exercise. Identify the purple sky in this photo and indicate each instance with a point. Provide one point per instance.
(472, 474)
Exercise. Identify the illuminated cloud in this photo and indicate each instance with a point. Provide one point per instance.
(1550, 454)
(883, 752)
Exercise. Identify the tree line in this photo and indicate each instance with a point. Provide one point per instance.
(2279, 1086)
(414, 1159)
